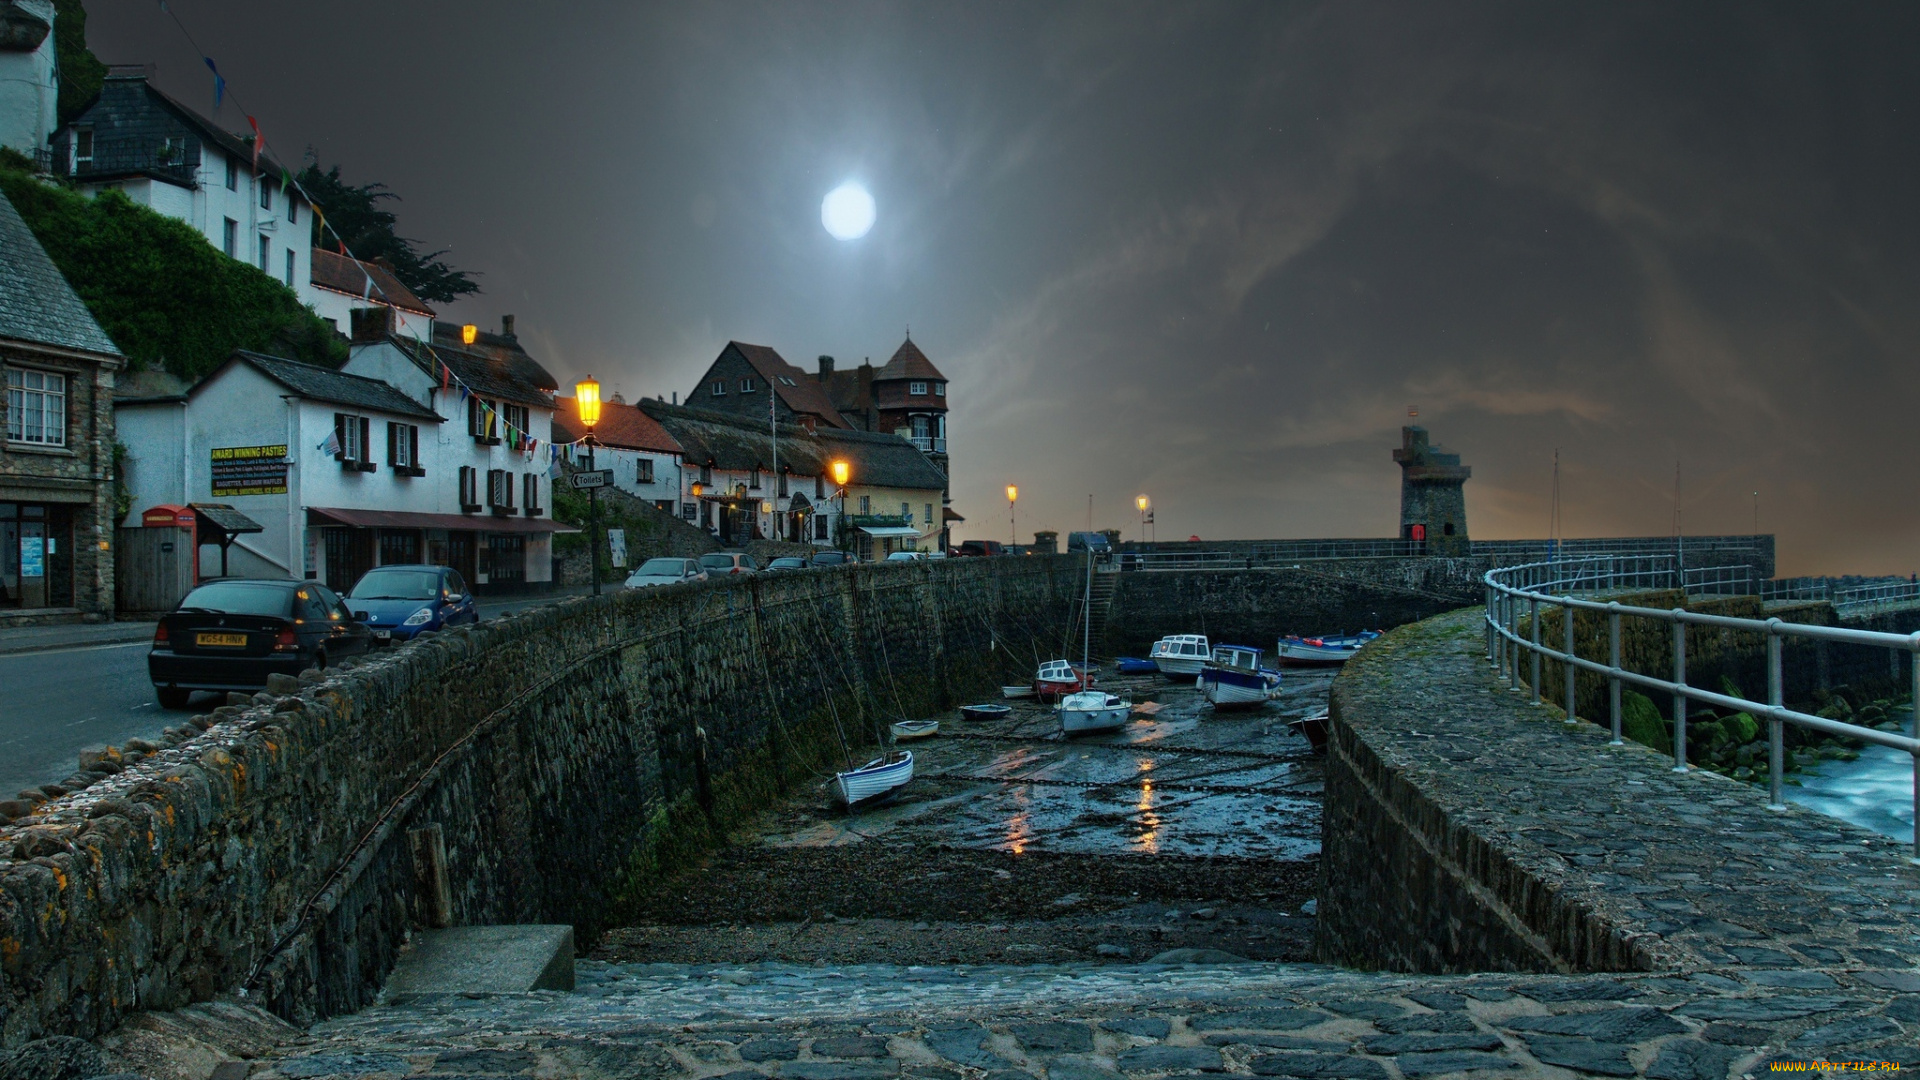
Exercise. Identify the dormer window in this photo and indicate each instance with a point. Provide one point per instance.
(746, 386)
(918, 389)
(82, 149)
(939, 389)
(719, 388)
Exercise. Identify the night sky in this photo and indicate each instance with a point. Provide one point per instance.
(1208, 252)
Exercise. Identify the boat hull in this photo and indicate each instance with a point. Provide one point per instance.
(1176, 665)
(1315, 729)
(1131, 666)
(915, 729)
(1086, 713)
(1321, 652)
(872, 780)
(1228, 689)
(985, 712)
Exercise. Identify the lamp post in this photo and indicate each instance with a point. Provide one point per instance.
(841, 471)
(1013, 520)
(1140, 503)
(586, 397)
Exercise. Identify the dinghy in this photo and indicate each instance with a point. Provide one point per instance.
(1093, 710)
(875, 778)
(985, 712)
(1016, 692)
(1322, 651)
(1130, 665)
(1314, 728)
(915, 729)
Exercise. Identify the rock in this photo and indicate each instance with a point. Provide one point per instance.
(312, 675)
(1585, 1055)
(922, 926)
(1146, 1027)
(1069, 900)
(202, 722)
(850, 1046)
(1363, 1009)
(141, 745)
(1206, 913)
(1580, 990)
(60, 1057)
(1080, 1070)
(95, 756)
(1841, 1036)
(279, 684)
(1172, 1058)
(837, 1070)
(32, 795)
(1058, 1037)
(1117, 951)
(1391, 1045)
(238, 699)
(1258, 1020)
(965, 1045)
(1198, 956)
(1311, 907)
(1691, 1059)
(1445, 1022)
(769, 1050)
(17, 808)
(1624, 1025)
(1319, 1067)
(1413, 1065)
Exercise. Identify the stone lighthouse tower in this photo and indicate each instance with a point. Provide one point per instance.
(1433, 498)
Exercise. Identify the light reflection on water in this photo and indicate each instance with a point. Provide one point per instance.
(1875, 792)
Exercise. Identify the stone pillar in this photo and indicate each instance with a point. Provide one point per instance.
(1433, 500)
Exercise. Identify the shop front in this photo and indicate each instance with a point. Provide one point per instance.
(498, 555)
(36, 555)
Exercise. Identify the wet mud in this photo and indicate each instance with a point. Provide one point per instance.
(1188, 829)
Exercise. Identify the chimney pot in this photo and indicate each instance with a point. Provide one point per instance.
(506, 327)
(826, 367)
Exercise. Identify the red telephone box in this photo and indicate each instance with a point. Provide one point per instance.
(1418, 532)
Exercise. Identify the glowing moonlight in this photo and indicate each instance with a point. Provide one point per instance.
(847, 211)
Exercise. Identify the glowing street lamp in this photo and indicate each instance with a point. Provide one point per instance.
(468, 334)
(1013, 521)
(586, 398)
(841, 472)
(1140, 503)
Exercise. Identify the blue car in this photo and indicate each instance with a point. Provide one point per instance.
(401, 601)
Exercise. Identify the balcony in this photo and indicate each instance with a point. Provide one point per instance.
(928, 445)
(120, 157)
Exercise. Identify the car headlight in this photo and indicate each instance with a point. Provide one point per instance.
(419, 618)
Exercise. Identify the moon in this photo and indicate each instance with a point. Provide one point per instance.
(847, 211)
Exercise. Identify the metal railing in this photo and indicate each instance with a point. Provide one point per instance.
(1534, 587)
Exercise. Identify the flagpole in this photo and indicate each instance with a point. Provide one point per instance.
(773, 428)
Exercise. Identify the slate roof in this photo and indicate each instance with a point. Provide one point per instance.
(36, 303)
(909, 363)
(494, 366)
(621, 425)
(801, 393)
(729, 442)
(326, 384)
(332, 270)
(210, 133)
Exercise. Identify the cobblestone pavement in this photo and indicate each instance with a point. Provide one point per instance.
(1086, 1022)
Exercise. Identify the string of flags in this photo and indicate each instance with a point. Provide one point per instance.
(528, 444)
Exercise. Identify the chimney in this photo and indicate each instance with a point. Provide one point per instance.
(826, 368)
(371, 324)
(617, 399)
(676, 397)
(506, 327)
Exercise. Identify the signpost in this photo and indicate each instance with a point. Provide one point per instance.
(592, 478)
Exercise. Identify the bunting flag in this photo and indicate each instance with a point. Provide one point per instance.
(553, 461)
(445, 374)
(286, 181)
(258, 141)
(219, 86)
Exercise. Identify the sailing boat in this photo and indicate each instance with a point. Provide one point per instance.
(1091, 710)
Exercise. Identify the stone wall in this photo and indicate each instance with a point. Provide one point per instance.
(567, 753)
(1256, 607)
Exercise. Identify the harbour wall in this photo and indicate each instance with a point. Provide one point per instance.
(1257, 606)
(282, 849)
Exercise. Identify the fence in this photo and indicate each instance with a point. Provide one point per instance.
(1532, 587)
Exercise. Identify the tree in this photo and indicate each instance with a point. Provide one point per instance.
(81, 72)
(354, 215)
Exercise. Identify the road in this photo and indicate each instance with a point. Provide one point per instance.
(56, 703)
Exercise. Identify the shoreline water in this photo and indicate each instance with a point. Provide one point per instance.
(1875, 792)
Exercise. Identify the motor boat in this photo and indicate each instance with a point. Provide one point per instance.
(1181, 654)
(1058, 678)
(1093, 710)
(1322, 651)
(1234, 679)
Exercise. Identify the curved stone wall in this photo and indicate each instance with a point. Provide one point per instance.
(564, 752)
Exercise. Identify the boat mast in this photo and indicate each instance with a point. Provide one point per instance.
(1086, 613)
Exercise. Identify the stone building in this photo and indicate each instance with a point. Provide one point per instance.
(906, 397)
(57, 505)
(742, 377)
(1433, 499)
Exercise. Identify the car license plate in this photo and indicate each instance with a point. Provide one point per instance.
(383, 635)
(235, 641)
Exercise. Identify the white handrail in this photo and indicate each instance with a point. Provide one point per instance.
(1533, 585)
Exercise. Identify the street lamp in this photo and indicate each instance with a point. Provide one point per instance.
(1140, 503)
(840, 471)
(586, 398)
(1013, 521)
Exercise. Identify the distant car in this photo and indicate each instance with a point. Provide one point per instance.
(232, 633)
(785, 563)
(981, 547)
(834, 558)
(404, 600)
(665, 572)
(728, 562)
(1088, 541)
(906, 556)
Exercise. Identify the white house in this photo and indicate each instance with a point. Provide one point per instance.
(29, 78)
(167, 157)
(342, 286)
(645, 459)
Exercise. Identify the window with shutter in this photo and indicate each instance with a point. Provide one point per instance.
(469, 488)
(366, 443)
(530, 484)
(413, 449)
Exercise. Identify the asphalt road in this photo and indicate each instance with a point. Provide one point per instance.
(56, 703)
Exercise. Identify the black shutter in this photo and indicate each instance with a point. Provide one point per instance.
(413, 448)
(366, 438)
(393, 444)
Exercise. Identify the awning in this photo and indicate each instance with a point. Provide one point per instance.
(402, 519)
(890, 530)
(226, 519)
(799, 502)
(947, 514)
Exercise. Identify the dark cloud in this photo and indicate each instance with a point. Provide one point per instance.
(1210, 252)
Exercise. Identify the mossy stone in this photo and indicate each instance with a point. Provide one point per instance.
(1641, 721)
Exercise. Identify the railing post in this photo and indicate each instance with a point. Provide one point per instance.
(1613, 675)
(1679, 699)
(1488, 620)
(1776, 733)
(1913, 729)
(1534, 601)
(1513, 647)
(1567, 614)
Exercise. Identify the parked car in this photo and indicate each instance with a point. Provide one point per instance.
(834, 558)
(728, 562)
(786, 563)
(1088, 541)
(665, 571)
(906, 556)
(232, 633)
(401, 601)
(981, 547)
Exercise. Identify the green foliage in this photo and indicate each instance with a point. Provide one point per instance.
(1731, 688)
(159, 290)
(1742, 728)
(122, 495)
(1641, 721)
(81, 72)
(354, 215)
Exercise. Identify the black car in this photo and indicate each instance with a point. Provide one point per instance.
(834, 558)
(785, 563)
(232, 634)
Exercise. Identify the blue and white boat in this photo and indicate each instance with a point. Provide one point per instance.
(1130, 665)
(1317, 651)
(875, 778)
(1234, 679)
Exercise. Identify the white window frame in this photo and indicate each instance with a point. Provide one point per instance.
(719, 388)
(917, 389)
(643, 471)
(17, 394)
(746, 385)
(939, 389)
(79, 159)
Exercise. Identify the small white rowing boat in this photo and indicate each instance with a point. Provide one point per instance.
(915, 729)
(875, 778)
(985, 712)
(1016, 691)
(1323, 651)
(1093, 710)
